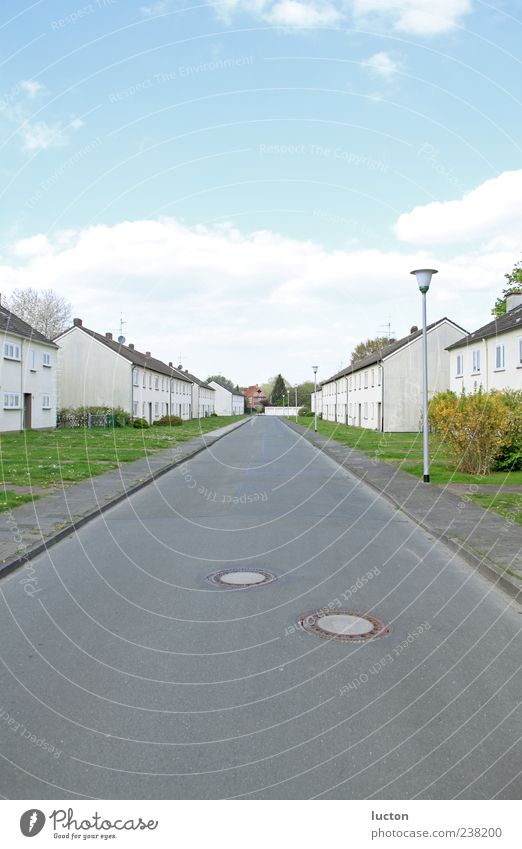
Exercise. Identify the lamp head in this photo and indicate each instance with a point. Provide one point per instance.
(424, 276)
(314, 369)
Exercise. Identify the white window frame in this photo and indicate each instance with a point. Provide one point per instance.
(46, 402)
(12, 401)
(135, 377)
(520, 350)
(365, 411)
(366, 380)
(135, 408)
(500, 349)
(11, 351)
(459, 366)
(46, 359)
(156, 384)
(32, 359)
(476, 361)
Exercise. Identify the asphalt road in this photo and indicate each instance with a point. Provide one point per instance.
(126, 674)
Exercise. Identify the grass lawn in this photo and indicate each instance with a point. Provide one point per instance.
(405, 451)
(508, 504)
(44, 459)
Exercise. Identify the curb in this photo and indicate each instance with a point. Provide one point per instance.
(40, 547)
(490, 570)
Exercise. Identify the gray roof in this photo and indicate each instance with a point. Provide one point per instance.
(11, 323)
(195, 379)
(137, 358)
(232, 391)
(386, 351)
(509, 321)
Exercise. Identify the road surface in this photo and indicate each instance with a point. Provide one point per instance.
(127, 674)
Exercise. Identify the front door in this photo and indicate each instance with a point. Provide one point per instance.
(28, 409)
(150, 412)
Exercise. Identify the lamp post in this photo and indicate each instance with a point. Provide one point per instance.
(295, 398)
(315, 397)
(423, 276)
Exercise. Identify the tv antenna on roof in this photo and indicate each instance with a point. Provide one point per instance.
(390, 334)
(121, 337)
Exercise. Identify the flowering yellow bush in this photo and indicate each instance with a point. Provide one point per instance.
(475, 428)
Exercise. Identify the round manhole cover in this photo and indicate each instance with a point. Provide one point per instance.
(235, 578)
(345, 625)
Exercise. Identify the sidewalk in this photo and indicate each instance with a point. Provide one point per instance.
(32, 528)
(484, 539)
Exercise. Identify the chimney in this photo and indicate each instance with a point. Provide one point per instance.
(513, 301)
(414, 329)
(131, 346)
(180, 367)
(77, 322)
(108, 335)
(148, 354)
(186, 371)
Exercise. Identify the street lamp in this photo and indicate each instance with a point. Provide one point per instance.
(315, 396)
(295, 393)
(423, 276)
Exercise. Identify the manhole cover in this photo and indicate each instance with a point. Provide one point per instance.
(235, 578)
(346, 625)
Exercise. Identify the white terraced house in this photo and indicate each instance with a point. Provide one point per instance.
(384, 390)
(27, 376)
(203, 395)
(228, 402)
(94, 370)
(491, 357)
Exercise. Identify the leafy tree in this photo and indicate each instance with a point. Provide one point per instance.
(364, 349)
(223, 380)
(514, 279)
(45, 310)
(279, 390)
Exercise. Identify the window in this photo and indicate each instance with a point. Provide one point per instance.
(156, 383)
(378, 377)
(349, 384)
(500, 357)
(11, 401)
(134, 408)
(520, 351)
(373, 377)
(366, 410)
(162, 384)
(144, 380)
(32, 360)
(372, 410)
(46, 360)
(144, 409)
(46, 402)
(460, 365)
(150, 381)
(476, 360)
(156, 408)
(11, 351)
(135, 378)
(366, 380)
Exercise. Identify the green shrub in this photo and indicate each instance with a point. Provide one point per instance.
(73, 417)
(141, 423)
(509, 458)
(304, 411)
(474, 427)
(169, 421)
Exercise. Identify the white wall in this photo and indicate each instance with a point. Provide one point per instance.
(281, 411)
(489, 377)
(90, 374)
(28, 376)
(223, 399)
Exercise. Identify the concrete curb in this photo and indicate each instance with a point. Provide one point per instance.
(39, 548)
(477, 560)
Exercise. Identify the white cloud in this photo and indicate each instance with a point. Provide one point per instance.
(154, 9)
(492, 211)
(41, 136)
(382, 64)
(31, 87)
(201, 290)
(422, 17)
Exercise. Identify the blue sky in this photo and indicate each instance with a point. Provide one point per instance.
(250, 182)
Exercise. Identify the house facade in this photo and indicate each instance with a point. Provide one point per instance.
(27, 376)
(491, 357)
(96, 370)
(203, 395)
(384, 390)
(228, 402)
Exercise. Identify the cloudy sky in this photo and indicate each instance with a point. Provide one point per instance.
(250, 182)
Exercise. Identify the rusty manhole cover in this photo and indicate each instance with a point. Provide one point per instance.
(346, 625)
(236, 578)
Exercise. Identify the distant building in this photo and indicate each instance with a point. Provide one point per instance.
(383, 391)
(255, 395)
(95, 370)
(27, 377)
(491, 357)
(203, 395)
(228, 402)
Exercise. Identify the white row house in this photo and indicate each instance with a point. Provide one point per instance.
(384, 390)
(228, 402)
(203, 396)
(491, 357)
(27, 376)
(96, 370)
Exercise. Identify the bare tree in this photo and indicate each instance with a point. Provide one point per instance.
(44, 310)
